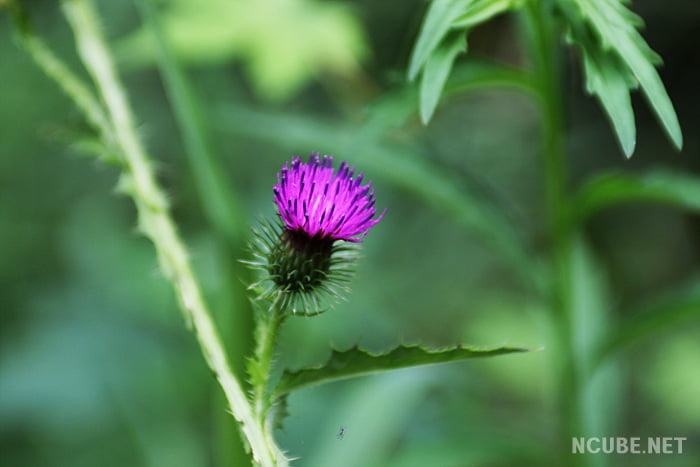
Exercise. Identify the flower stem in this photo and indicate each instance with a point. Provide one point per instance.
(543, 44)
(155, 221)
(260, 368)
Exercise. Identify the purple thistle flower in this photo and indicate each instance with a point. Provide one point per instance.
(322, 203)
(300, 261)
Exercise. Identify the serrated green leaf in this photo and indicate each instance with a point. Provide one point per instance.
(660, 186)
(436, 71)
(615, 26)
(356, 362)
(438, 21)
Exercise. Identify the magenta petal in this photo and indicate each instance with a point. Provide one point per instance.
(315, 199)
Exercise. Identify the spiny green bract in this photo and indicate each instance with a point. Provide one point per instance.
(308, 274)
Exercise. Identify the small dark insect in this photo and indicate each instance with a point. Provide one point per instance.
(341, 433)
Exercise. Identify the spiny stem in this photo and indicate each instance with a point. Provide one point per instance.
(155, 220)
(260, 368)
(269, 322)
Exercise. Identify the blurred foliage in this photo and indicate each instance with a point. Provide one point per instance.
(96, 368)
(283, 44)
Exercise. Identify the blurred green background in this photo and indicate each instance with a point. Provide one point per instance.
(96, 366)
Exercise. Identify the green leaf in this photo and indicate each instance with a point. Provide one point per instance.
(482, 10)
(676, 307)
(436, 71)
(442, 38)
(356, 362)
(643, 68)
(611, 87)
(660, 186)
(615, 26)
(609, 80)
(438, 21)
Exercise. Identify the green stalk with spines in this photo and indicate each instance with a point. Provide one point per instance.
(115, 124)
(260, 366)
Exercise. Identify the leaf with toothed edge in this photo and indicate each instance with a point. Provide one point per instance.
(357, 362)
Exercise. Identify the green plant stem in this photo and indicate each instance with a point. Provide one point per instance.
(543, 44)
(260, 370)
(155, 221)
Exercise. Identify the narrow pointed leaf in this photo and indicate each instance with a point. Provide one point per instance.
(654, 90)
(609, 80)
(357, 362)
(442, 38)
(436, 71)
(616, 28)
(438, 21)
(612, 90)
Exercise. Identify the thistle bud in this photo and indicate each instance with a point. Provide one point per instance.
(308, 256)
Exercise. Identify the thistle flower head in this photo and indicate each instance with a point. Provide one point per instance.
(314, 199)
(324, 214)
